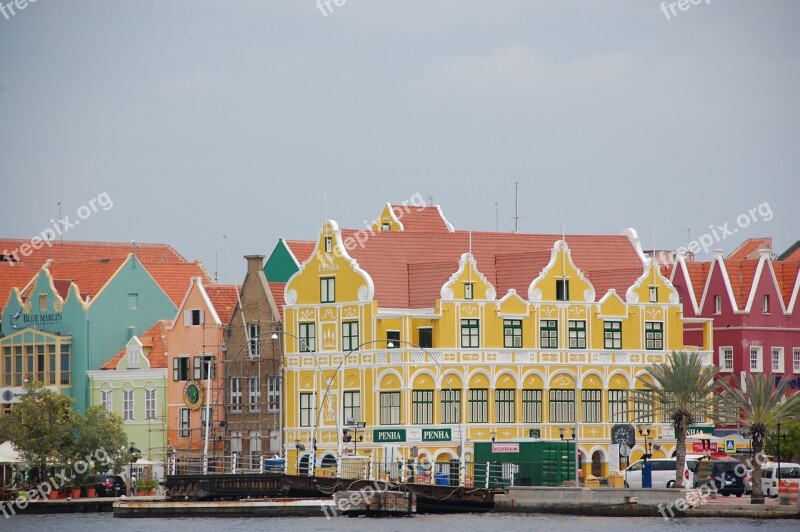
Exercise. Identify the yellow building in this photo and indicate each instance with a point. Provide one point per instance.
(436, 339)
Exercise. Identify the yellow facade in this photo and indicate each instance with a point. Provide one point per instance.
(490, 354)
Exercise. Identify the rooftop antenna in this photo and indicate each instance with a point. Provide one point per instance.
(496, 221)
(216, 267)
(430, 200)
(516, 216)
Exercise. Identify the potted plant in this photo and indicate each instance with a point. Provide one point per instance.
(148, 487)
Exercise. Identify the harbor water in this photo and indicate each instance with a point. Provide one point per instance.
(494, 522)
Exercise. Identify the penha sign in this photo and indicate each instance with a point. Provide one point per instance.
(389, 435)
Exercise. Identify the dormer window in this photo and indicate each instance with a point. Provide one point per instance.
(653, 294)
(468, 287)
(562, 289)
(42, 302)
(386, 227)
(717, 304)
(133, 354)
(328, 244)
(766, 303)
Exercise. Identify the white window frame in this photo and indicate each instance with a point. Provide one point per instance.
(273, 393)
(128, 413)
(308, 337)
(255, 449)
(327, 290)
(781, 364)
(184, 422)
(253, 333)
(765, 303)
(307, 408)
(717, 304)
(796, 359)
(236, 394)
(254, 394)
(107, 400)
(723, 350)
(189, 317)
(756, 363)
(150, 403)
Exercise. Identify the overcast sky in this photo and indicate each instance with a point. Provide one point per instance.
(199, 119)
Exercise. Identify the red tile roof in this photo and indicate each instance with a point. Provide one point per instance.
(224, 297)
(154, 346)
(741, 274)
(749, 248)
(792, 253)
(91, 264)
(421, 219)
(698, 274)
(277, 295)
(508, 260)
(786, 274)
(301, 249)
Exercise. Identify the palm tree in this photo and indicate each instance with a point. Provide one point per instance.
(683, 388)
(759, 407)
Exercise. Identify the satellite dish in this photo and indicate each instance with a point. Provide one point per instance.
(624, 450)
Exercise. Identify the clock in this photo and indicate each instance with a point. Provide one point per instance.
(193, 395)
(623, 434)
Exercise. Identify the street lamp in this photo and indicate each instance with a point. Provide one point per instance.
(645, 430)
(562, 434)
(355, 426)
(493, 436)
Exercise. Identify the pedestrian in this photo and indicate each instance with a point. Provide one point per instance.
(133, 485)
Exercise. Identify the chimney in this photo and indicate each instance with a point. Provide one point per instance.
(255, 263)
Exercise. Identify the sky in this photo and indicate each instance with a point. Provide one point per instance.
(183, 121)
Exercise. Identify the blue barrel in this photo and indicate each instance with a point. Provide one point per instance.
(441, 479)
(274, 465)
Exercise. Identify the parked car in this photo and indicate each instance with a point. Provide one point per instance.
(107, 485)
(769, 476)
(662, 473)
(748, 482)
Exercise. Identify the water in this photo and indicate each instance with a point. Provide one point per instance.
(463, 523)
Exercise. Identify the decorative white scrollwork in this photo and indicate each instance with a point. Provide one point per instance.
(588, 295)
(291, 297)
(363, 293)
(491, 293)
(537, 295)
(447, 294)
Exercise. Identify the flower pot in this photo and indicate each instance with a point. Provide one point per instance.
(75, 493)
(53, 495)
(91, 492)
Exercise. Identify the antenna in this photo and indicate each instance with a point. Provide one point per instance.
(59, 221)
(430, 200)
(516, 216)
(496, 222)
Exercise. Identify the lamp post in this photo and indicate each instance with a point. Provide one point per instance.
(493, 436)
(562, 434)
(644, 431)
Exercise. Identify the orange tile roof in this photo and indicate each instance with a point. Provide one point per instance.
(302, 249)
(420, 219)
(224, 297)
(741, 274)
(792, 253)
(175, 278)
(277, 295)
(786, 274)
(91, 264)
(154, 345)
(508, 260)
(749, 248)
(698, 274)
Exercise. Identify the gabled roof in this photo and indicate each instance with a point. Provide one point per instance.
(786, 275)
(741, 274)
(154, 347)
(750, 247)
(301, 249)
(277, 294)
(408, 268)
(792, 253)
(224, 298)
(422, 219)
(91, 265)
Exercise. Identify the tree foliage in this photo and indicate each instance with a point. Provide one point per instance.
(45, 430)
(682, 388)
(759, 407)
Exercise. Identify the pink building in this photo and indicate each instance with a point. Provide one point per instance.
(752, 298)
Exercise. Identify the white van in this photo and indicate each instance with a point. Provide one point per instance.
(769, 476)
(663, 473)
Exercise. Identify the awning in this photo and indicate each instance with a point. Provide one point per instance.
(9, 455)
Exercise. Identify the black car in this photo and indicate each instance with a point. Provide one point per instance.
(107, 485)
